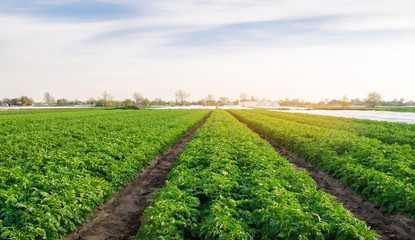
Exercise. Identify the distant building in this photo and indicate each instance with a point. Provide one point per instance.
(335, 103)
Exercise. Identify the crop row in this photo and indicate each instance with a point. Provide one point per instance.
(395, 160)
(387, 132)
(230, 184)
(56, 168)
(384, 173)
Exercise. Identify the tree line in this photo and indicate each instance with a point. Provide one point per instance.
(373, 99)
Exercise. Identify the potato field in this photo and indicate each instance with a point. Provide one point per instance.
(58, 167)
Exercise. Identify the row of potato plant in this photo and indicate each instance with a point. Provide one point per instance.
(394, 159)
(387, 132)
(55, 168)
(382, 172)
(230, 184)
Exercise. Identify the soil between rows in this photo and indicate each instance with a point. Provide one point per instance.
(120, 218)
(388, 226)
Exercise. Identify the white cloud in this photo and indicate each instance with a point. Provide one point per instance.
(373, 23)
(338, 56)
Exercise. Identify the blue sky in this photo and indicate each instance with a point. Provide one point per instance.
(268, 49)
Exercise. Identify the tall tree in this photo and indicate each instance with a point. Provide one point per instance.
(62, 102)
(15, 102)
(210, 100)
(224, 100)
(244, 98)
(138, 97)
(26, 101)
(158, 101)
(49, 99)
(345, 101)
(373, 98)
(181, 96)
(128, 102)
(6, 100)
(106, 100)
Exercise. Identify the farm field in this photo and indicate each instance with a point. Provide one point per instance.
(386, 114)
(56, 167)
(387, 132)
(382, 172)
(230, 184)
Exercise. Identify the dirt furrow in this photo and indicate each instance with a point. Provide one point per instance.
(120, 218)
(387, 225)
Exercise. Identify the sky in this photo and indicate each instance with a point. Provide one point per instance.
(277, 49)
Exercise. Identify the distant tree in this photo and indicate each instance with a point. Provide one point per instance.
(15, 102)
(244, 98)
(91, 101)
(236, 102)
(106, 100)
(356, 101)
(224, 100)
(76, 102)
(210, 100)
(295, 102)
(107, 97)
(138, 97)
(284, 102)
(145, 102)
(6, 100)
(181, 96)
(402, 102)
(158, 101)
(345, 101)
(62, 102)
(373, 98)
(128, 102)
(48, 98)
(394, 102)
(26, 101)
(202, 102)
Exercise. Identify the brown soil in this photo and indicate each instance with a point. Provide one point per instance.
(120, 218)
(387, 225)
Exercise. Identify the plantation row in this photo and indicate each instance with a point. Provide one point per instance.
(387, 132)
(230, 184)
(56, 167)
(384, 173)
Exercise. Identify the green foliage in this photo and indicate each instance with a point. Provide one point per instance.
(231, 184)
(62, 102)
(56, 167)
(384, 173)
(387, 132)
(128, 102)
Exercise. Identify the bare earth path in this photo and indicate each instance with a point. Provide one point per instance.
(120, 218)
(387, 225)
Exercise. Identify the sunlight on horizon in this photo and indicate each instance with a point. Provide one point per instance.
(267, 49)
